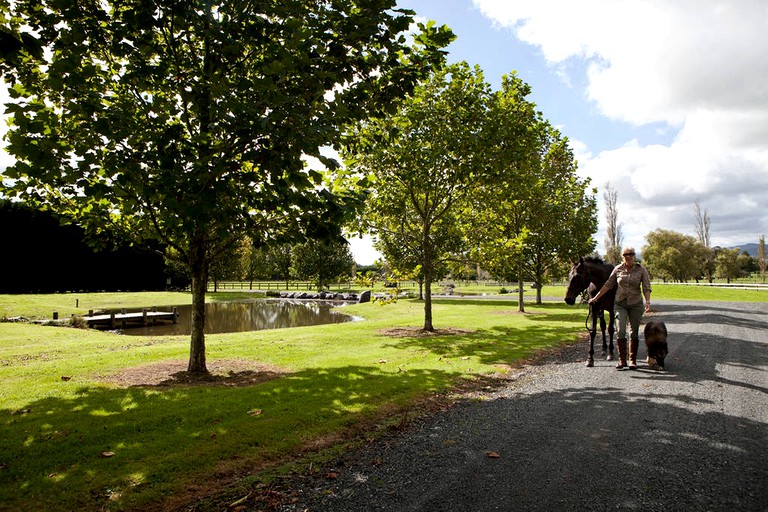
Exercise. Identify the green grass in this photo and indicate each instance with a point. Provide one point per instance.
(334, 381)
(683, 292)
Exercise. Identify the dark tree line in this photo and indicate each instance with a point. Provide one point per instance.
(40, 255)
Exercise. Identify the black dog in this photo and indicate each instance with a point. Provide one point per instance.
(656, 343)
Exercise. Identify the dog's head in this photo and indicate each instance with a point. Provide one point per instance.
(656, 355)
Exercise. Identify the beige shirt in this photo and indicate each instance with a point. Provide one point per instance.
(628, 283)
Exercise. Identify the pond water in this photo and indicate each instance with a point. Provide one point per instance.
(252, 315)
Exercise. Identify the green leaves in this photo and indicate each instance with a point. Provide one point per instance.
(181, 97)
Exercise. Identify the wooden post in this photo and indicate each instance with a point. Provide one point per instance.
(90, 312)
(112, 320)
(55, 315)
(175, 314)
(144, 316)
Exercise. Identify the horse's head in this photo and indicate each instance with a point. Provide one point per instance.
(578, 281)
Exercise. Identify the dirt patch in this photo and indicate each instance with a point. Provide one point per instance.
(222, 372)
(418, 332)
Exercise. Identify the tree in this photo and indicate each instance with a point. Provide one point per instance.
(702, 233)
(614, 238)
(423, 162)
(281, 259)
(257, 265)
(761, 262)
(534, 212)
(500, 203)
(562, 214)
(673, 256)
(730, 263)
(702, 223)
(323, 261)
(187, 121)
(232, 264)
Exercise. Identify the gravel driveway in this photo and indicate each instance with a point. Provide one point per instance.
(565, 437)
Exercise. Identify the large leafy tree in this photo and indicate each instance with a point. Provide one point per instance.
(561, 214)
(534, 212)
(423, 162)
(730, 263)
(323, 261)
(187, 121)
(673, 256)
(502, 203)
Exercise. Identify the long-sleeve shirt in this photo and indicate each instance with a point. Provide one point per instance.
(628, 283)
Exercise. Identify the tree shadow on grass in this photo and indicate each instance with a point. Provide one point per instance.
(115, 448)
(498, 345)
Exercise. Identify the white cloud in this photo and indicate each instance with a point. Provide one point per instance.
(699, 67)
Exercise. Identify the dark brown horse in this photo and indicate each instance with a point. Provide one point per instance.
(591, 274)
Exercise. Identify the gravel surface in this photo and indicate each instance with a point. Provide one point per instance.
(562, 436)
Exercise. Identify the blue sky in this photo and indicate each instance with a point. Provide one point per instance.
(667, 101)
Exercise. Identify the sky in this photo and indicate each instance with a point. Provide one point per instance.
(665, 100)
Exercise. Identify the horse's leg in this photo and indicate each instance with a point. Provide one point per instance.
(611, 330)
(602, 331)
(592, 333)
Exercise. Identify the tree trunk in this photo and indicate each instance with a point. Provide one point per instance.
(520, 292)
(199, 267)
(428, 301)
(427, 250)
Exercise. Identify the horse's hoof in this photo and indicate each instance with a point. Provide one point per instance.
(590, 363)
(609, 357)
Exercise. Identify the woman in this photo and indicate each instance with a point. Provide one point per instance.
(630, 277)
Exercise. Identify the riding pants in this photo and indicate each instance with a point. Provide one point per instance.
(631, 312)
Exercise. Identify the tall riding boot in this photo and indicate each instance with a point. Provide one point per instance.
(621, 343)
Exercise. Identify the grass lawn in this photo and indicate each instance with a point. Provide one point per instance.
(84, 426)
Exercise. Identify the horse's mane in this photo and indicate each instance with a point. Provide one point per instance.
(592, 259)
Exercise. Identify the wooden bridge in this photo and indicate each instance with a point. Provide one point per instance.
(144, 317)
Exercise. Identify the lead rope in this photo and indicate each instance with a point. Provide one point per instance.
(585, 300)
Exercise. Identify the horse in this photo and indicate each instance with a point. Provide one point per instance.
(591, 274)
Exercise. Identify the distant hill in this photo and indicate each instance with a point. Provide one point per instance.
(751, 249)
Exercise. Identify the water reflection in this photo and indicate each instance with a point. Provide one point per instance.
(248, 316)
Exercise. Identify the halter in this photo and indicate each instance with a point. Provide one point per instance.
(584, 274)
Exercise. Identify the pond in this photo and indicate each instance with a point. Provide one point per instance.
(252, 315)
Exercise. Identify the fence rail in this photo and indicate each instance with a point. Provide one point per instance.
(413, 285)
(272, 285)
(731, 286)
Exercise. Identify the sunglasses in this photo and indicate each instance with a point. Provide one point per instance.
(629, 254)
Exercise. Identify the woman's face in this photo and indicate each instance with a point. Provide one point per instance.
(629, 258)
